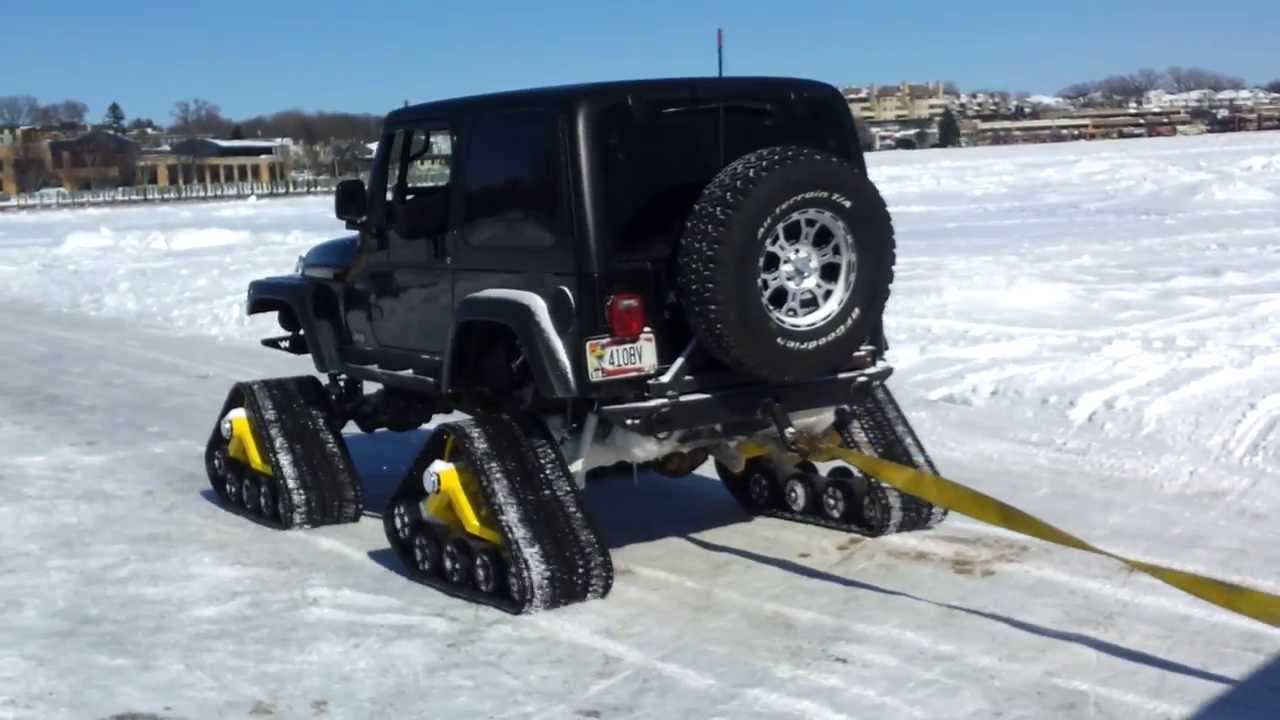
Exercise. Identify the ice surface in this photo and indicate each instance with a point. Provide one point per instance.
(1086, 330)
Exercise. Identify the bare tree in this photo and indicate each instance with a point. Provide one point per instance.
(1077, 91)
(18, 110)
(65, 112)
(1121, 88)
(199, 117)
(1147, 79)
(1195, 78)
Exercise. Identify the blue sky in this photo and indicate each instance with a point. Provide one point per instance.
(271, 55)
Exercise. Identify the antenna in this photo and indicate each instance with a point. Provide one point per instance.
(720, 73)
(719, 52)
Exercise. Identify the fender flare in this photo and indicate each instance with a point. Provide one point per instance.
(299, 294)
(526, 314)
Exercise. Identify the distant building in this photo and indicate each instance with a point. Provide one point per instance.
(101, 159)
(95, 160)
(1082, 125)
(198, 161)
(1210, 100)
(901, 103)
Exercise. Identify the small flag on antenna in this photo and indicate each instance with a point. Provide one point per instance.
(720, 52)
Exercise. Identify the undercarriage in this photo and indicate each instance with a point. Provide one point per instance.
(490, 510)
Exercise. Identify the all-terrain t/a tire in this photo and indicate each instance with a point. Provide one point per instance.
(786, 262)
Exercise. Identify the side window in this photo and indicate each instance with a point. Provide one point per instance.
(418, 185)
(513, 179)
(430, 159)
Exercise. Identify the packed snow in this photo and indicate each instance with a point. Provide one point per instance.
(1087, 330)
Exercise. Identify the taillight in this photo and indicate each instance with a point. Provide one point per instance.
(626, 315)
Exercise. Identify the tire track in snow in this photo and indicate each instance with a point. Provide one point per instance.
(562, 629)
(1091, 402)
(1263, 414)
(922, 642)
(789, 673)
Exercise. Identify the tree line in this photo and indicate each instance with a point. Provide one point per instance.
(198, 116)
(1135, 85)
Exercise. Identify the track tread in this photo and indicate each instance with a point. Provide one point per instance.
(311, 465)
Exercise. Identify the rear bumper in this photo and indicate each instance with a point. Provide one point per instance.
(742, 406)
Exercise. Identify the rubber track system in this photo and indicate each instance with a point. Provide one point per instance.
(313, 481)
(549, 544)
(873, 423)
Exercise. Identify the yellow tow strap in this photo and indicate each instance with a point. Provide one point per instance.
(1251, 603)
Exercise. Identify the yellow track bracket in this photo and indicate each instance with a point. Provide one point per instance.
(449, 501)
(241, 445)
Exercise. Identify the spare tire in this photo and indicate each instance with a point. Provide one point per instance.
(785, 263)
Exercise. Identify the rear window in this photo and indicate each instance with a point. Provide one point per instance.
(656, 157)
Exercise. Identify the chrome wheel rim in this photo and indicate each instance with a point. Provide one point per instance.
(807, 269)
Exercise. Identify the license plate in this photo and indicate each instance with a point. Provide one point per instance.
(610, 358)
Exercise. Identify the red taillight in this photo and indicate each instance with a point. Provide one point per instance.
(626, 315)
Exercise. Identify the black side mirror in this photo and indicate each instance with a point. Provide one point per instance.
(351, 201)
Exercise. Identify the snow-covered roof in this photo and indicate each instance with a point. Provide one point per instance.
(256, 143)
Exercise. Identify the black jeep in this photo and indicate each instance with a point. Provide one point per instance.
(571, 243)
(648, 271)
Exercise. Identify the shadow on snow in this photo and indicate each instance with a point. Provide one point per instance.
(631, 509)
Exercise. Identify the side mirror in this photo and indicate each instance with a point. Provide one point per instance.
(351, 201)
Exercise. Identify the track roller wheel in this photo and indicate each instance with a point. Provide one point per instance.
(268, 506)
(233, 486)
(488, 571)
(762, 486)
(249, 494)
(405, 513)
(425, 546)
(838, 498)
(875, 511)
(218, 467)
(458, 558)
(798, 492)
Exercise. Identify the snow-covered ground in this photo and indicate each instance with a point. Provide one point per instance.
(1090, 331)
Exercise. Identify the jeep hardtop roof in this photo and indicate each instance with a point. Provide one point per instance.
(692, 88)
